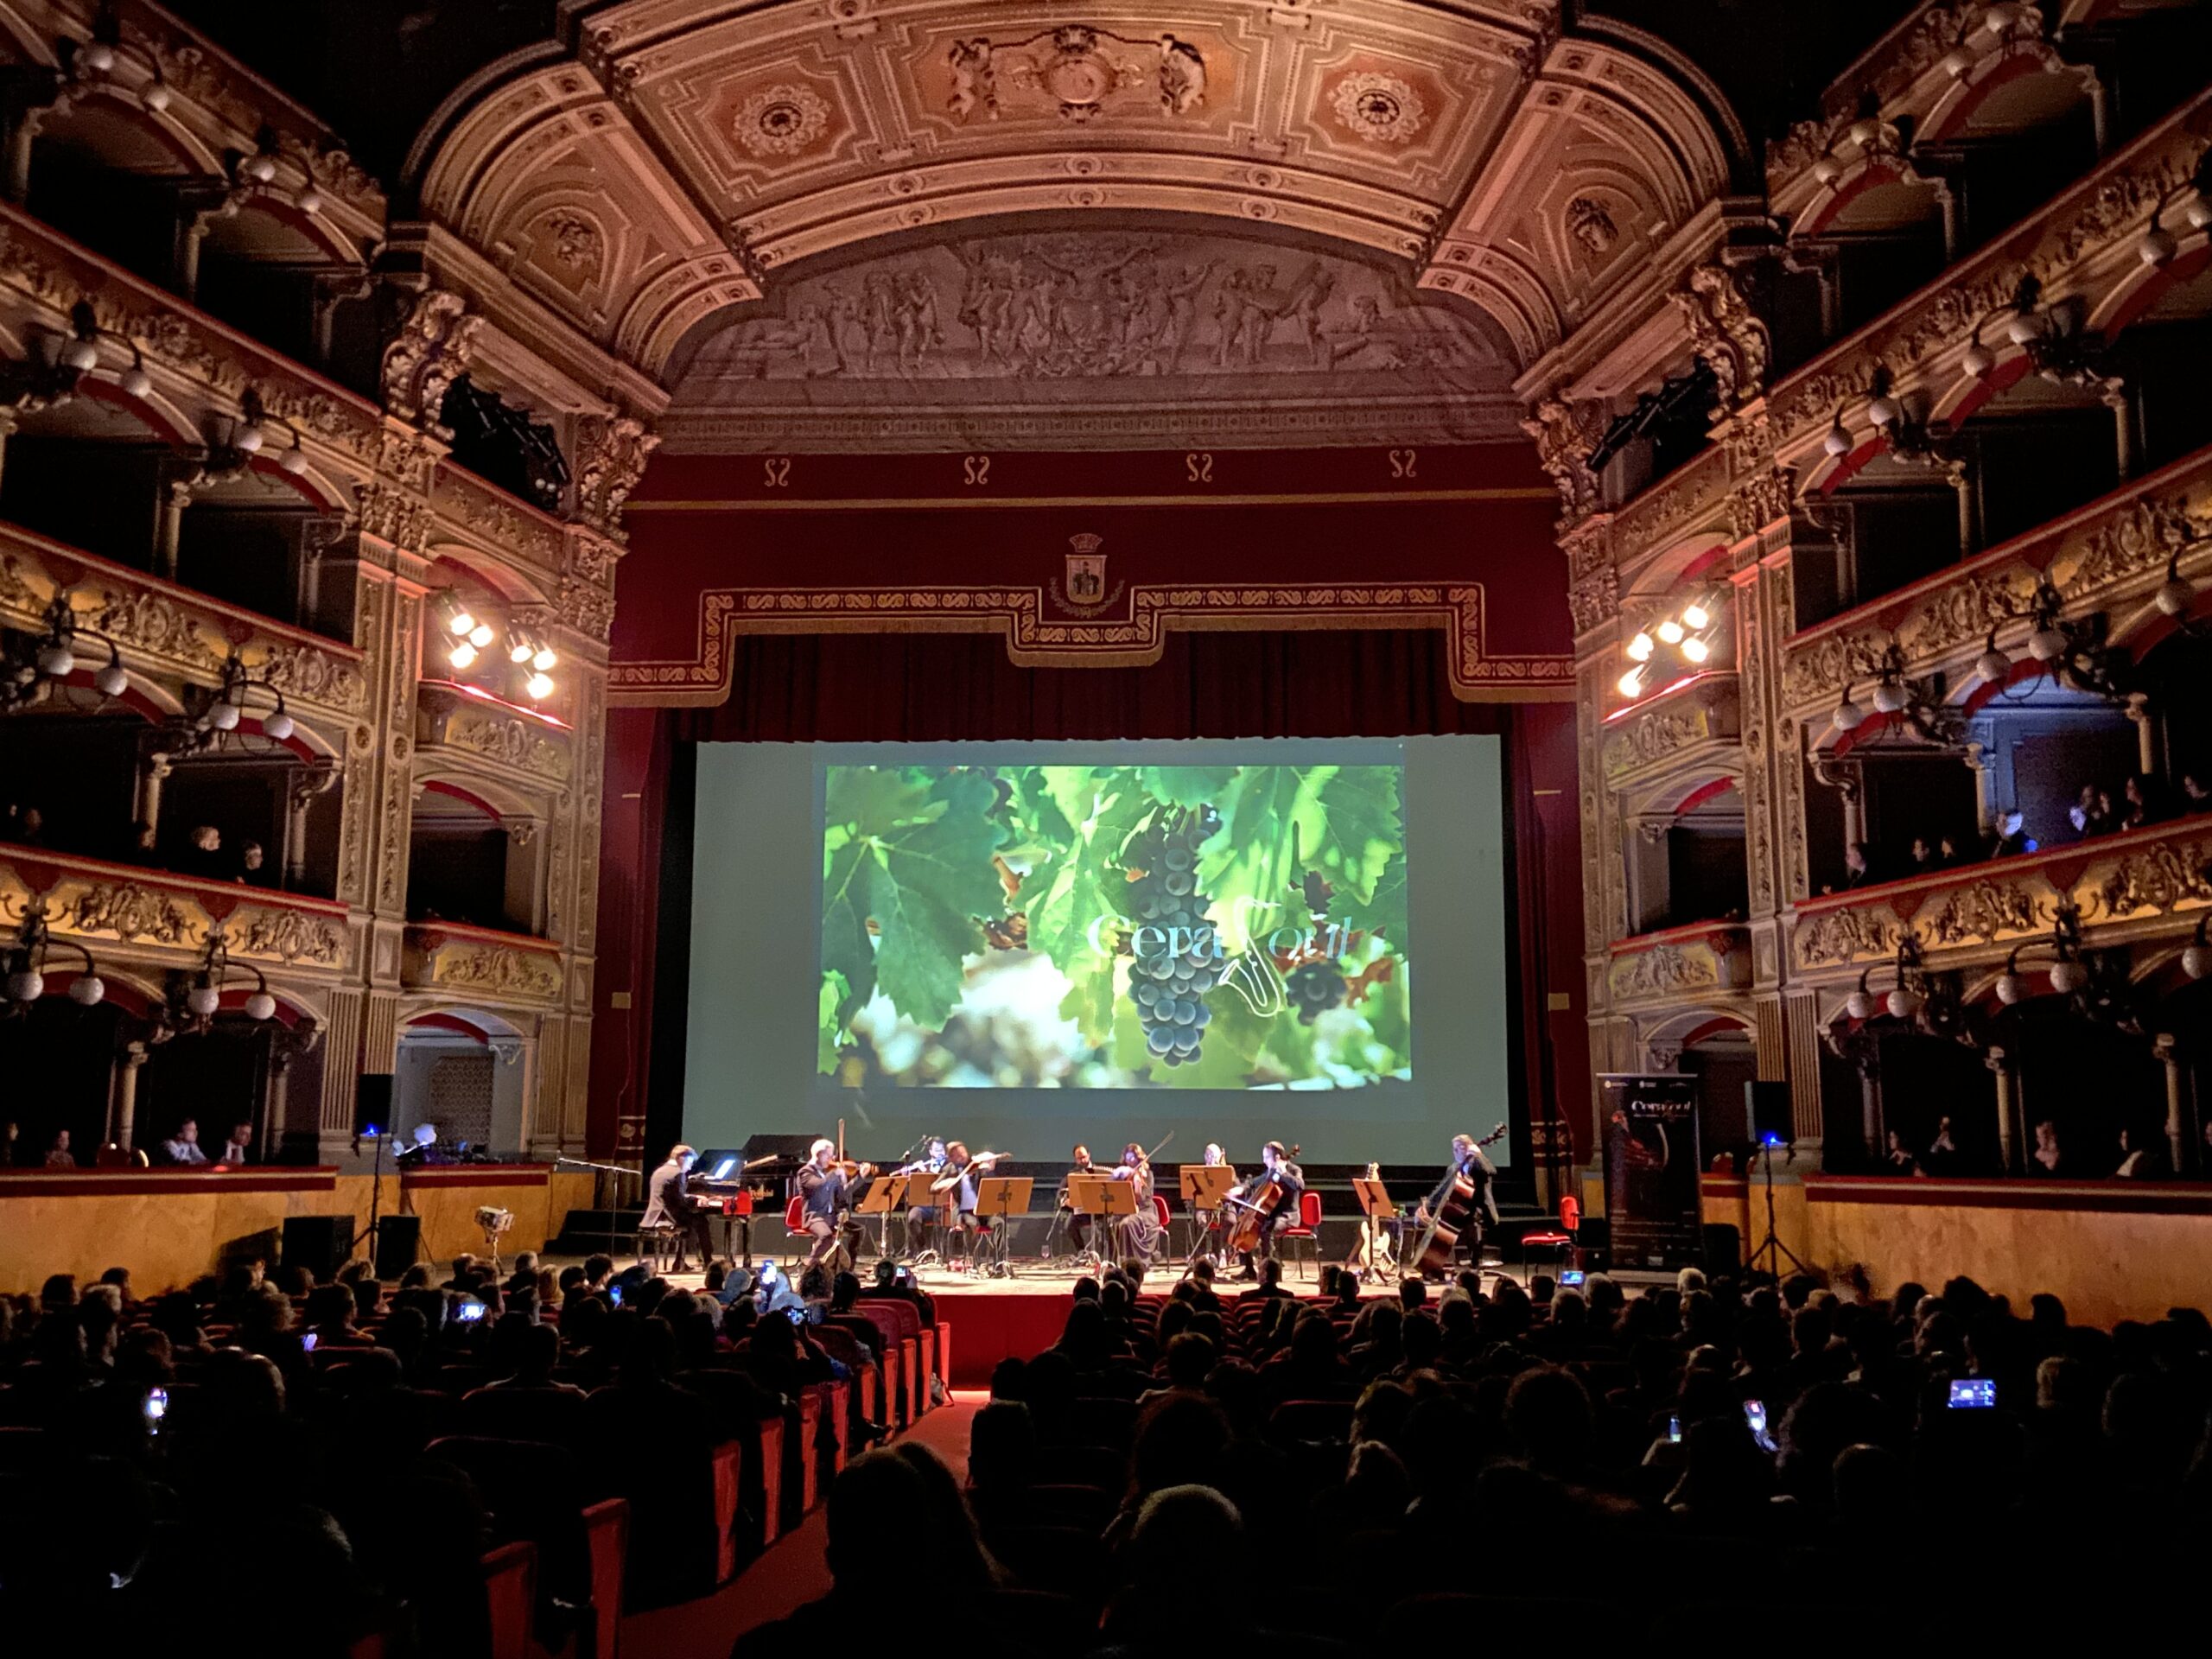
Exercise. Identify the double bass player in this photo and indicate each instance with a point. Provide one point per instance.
(1471, 1164)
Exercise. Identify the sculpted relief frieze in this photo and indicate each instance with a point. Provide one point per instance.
(1095, 324)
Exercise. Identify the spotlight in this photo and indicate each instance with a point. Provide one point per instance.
(460, 621)
(1640, 648)
(86, 989)
(1695, 615)
(544, 659)
(482, 635)
(461, 655)
(1630, 685)
(1671, 631)
(1696, 649)
(518, 649)
(540, 687)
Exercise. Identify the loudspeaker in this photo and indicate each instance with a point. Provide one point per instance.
(1767, 1105)
(399, 1241)
(372, 1103)
(319, 1244)
(1723, 1248)
(1595, 1242)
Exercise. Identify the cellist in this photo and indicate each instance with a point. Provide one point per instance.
(1468, 1160)
(1276, 1167)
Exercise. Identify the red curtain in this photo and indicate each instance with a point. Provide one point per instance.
(935, 688)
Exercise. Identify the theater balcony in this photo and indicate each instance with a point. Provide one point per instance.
(1698, 960)
(452, 961)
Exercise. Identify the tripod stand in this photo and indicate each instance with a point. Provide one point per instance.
(1771, 1248)
(376, 1195)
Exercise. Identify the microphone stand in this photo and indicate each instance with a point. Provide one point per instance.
(373, 1232)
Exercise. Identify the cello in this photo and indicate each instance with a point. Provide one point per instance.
(1450, 1217)
(1252, 1212)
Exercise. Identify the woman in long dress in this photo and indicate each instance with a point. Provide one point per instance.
(1137, 1236)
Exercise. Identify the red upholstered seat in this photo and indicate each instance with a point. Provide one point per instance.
(1308, 1224)
(510, 1591)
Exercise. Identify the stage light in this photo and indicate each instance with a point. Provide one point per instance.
(540, 687)
(1630, 685)
(1640, 648)
(460, 621)
(1696, 649)
(1671, 631)
(482, 635)
(1695, 615)
(519, 648)
(544, 659)
(461, 655)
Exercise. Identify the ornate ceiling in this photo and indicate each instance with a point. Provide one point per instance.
(1416, 200)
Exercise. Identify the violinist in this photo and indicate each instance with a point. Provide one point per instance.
(961, 1170)
(1468, 1160)
(1078, 1224)
(1276, 1167)
(825, 1194)
(1137, 1235)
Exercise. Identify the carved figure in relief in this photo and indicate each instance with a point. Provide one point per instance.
(1182, 76)
(972, 80)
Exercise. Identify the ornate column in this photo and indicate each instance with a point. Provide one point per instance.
(153, 771)
(176, 496)
(2146, 731)
(1984, 803)
(2178, 1137)
(2009, 1151)
(127, 1062)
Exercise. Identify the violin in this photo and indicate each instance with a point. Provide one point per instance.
(1252, 1212)
(852, 1168)
(954, 1177)
(1452, 1217)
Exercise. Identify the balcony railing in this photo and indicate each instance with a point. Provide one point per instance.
(1699, 958)
(172, 630)
(460, 723)
(170, 918)
(1689, 723)
(481, 964)
(2111, 549)
(2148, 881)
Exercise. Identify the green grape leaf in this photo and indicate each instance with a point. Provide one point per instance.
(931, 882)
(1185, 786)
(1384, 911)
(874, 800)
(1090, 1003)
(1359, 828)
(829, 1029)
(848, 953)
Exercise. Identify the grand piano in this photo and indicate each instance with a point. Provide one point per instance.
(739, 1183)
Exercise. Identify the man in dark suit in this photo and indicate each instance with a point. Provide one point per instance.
(824, 1198)
(668, 1203)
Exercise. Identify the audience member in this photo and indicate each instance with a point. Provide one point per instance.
(183, 1145)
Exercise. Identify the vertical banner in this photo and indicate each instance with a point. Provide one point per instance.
(1652, 1207)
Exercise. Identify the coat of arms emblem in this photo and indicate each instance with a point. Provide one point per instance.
(1085, 593)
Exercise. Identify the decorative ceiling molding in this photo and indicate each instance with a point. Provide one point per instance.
(680, 156)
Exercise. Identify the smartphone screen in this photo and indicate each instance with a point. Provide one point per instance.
(1755, 1418)
(155, 1408)
(469, 1312)
(306, 1342)
(1571, 1277)
(1675, 1430)
(614, 1295)
(1972, 1393)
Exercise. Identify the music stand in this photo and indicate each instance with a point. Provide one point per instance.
(1205, 1187)
(1001, 1199)
(885, 1193)
(1087, 1196)
(1374, 1208)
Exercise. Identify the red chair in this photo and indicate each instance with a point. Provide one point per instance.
(1562, 1239)
(509, 1593)
(1166, 1219)
(794, 1230)
(1307, 1227)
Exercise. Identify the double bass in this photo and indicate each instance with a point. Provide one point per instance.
(1452, 1217)
(1252, 1212)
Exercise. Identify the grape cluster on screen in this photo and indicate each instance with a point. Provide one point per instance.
(1170, 990)
(1314, 990)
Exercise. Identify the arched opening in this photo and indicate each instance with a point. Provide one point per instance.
(2175, 672)
(109, 175)
(1723, 1061)
(217, 1078)
(92, 472)
(2088, 1080)
(264, 272)
(1938, 1102)
(461, 1071)
(461, 863)
(58, 1059)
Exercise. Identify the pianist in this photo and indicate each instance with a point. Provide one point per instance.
(669, 1204)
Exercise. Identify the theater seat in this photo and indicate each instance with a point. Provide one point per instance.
(510, 1591)
(553, 1415)
(1311, 1419)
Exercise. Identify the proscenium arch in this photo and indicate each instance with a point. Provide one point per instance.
(629, 126)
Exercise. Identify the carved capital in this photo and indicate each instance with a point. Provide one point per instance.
(1566, 435)
(431, 352)
(611, 455)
